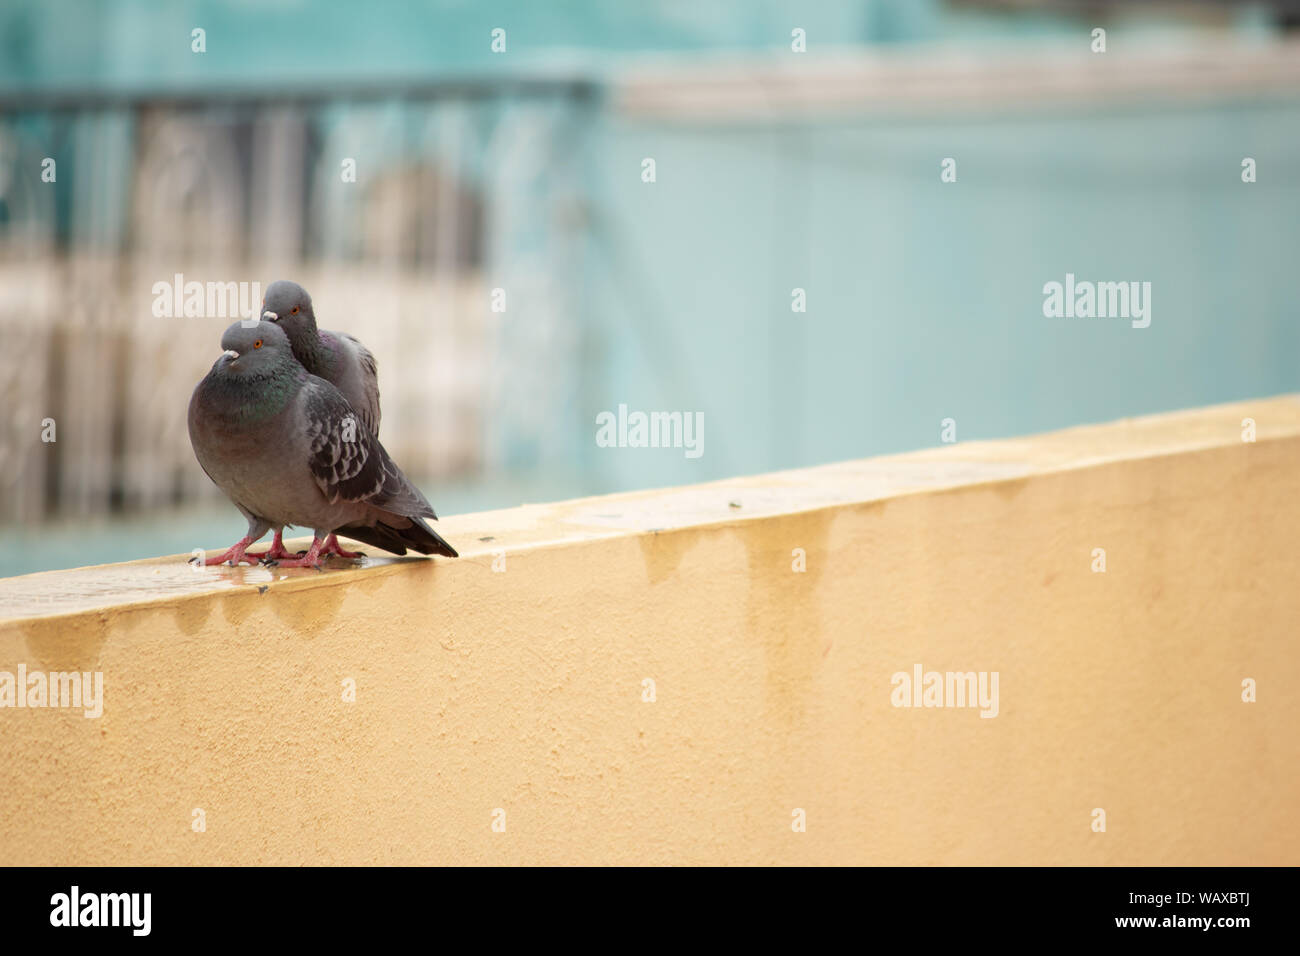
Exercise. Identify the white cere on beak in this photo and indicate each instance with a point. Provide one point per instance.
(230, 353)
(268, 314)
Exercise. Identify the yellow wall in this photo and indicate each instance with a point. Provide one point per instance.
(522, 689)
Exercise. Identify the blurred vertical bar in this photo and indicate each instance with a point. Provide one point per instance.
(276, 191)
(27, 300)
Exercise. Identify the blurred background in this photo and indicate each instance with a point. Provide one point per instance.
(502, 253)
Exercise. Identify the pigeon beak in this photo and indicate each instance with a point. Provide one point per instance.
(230, 354)
(268, 314)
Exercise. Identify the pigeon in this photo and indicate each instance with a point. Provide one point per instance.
(338, 358)
(288, 448)
(334, 356)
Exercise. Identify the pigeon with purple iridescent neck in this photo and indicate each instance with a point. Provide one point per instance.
(337, 357)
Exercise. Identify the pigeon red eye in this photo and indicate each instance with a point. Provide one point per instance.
(294, 310)
(257, 344)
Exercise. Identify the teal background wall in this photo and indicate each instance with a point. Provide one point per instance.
(146, 43)
(924, 298)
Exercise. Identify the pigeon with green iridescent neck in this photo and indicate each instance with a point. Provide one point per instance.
(288, 449)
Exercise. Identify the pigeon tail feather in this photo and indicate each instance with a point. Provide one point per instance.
(418, 536)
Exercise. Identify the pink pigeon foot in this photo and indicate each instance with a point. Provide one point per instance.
(309, 560)
(235, 554)
(332, 546)
(275, 552)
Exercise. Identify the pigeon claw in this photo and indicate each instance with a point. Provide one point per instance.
(272, 554)
(232, 556)
(332, 546)
(275, 552)
(309, 560)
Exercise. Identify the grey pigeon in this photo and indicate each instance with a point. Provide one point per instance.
(288, 449)
(338, 358)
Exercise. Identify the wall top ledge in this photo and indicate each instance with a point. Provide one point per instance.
(480, 536)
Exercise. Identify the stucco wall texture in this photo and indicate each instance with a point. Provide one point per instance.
(521, 690)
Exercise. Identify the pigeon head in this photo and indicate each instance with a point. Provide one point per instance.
(255, 349)
(288, 304)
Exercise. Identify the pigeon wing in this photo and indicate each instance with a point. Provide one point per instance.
(346, 459)
(365, 372)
